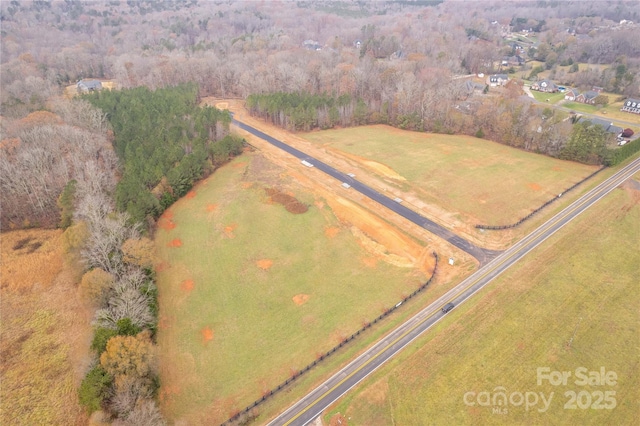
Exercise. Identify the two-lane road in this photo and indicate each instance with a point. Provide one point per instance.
(312, 405)
(483, 255)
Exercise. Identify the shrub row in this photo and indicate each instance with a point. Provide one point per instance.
(616, 156)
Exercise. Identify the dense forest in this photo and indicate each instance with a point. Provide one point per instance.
(165, 142)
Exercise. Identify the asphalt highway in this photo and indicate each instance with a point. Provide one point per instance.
(314, 403)
(481, 254)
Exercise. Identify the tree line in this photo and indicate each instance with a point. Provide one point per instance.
(165, 142)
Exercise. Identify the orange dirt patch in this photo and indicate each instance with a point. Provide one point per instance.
(264, 264)
(207, 334)
(177, 242)
(228, 230)
(190, 194)
(162, 266)
(331, 231)
(239, 165)
(300, 299)
(212, 207)
(319, 205)
(247, 185)
(166, 224)
(535, 186)
(168, 214)
(289, 202)
(371, 262)
(187, 285)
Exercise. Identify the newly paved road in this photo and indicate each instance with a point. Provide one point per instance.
(483, 255)
(312, 405)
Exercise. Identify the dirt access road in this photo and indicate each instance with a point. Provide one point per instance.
(398, 236)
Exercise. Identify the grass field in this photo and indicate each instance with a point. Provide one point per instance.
(482, 181)
(571, 303)
(552, 97)
(44, 332)
(250, 292)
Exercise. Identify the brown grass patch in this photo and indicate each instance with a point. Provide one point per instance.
(534, 186)
(212, 207)
(177, 242)
(331, 231)
(264, 264)
(45, 331)
(207, 334)
(190, 194)
(290, 203)
(228, 230)
(187, 285)
(300, 299)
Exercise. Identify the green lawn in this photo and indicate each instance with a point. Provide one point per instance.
(259, 335)
(580, 286)
(480, 180)
(552, 97)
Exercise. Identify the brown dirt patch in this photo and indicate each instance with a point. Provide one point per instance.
(247, 185)
(331, 231)
(290, 203)
(534, 186)
(264, 264)
(300, 299)
(319, 205)
(187, 285)
(228, 230)
(207, 334)
(212, 207)
(190, 194)
(177, 242)
(239, 165)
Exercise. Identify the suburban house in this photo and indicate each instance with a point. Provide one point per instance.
(606, 125)
(545, 86)
(515, 60)
(498, 80)
(587, 97)
(472, 87)
(89, 85)
(312, 45)
(571, 95)
(631, 105)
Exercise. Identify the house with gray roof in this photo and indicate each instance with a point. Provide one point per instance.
(498, 80)
(606, 125)
(587, 97)
(571, 94)
(88, 85)
(631, 105)
(547, 86)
